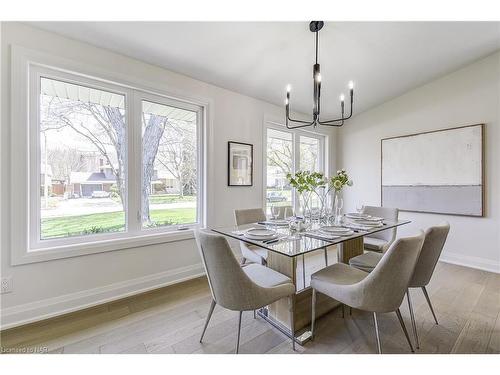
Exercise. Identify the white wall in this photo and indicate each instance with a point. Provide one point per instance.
(470, 95)
(51, 287)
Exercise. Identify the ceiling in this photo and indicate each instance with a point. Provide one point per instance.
(385, 59)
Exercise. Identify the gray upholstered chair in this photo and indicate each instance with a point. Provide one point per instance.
(435, 238)
(381, 241)
(250, 252)
(380, 291)
(239, 288)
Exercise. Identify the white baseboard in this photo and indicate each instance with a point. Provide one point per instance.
(470, 261)
(51, 307)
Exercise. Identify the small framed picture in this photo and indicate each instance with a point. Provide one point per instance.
(240, 164)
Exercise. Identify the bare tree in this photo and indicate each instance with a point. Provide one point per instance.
(63, 161)
(177, 154)
(279, 154)
(154, 127)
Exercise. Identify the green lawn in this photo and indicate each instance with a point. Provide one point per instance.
(170, 198)
(109, 222)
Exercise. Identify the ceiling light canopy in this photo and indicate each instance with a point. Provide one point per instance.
(315, 27)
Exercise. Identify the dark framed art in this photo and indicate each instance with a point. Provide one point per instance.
(239, 164)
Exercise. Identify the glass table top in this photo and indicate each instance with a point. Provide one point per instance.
(306, 241)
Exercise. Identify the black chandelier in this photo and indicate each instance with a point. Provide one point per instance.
(315, 27)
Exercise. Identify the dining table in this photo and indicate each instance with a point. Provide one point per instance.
(298, 254)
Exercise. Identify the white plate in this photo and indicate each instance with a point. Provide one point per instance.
(372, 218)
(356, 215)
(334, 229)
(338, 234)
(261, 238)
(260, 234)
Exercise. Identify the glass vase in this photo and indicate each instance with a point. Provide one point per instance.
(337, 207)
(305, 205)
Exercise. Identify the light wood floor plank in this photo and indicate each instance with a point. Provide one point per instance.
(170, 320)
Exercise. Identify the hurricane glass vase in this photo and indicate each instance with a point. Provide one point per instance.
(337, 207)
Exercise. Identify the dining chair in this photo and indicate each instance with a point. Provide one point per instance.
(250, 252)
(239, 288)
(380, 291)
(381, 241)
(435, 238)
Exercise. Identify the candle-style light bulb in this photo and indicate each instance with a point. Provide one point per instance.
(288, 88)
(286, 101)
(318, 77)
(342, 97)
(351, 85)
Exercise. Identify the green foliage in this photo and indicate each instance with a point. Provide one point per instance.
(306, 181)
(340, 180)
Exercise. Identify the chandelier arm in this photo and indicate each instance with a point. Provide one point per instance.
(338, 119)
(299, 126)
(300, 121)
(327, 123)
(304, 123)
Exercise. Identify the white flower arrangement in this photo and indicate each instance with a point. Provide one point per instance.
(340, 180)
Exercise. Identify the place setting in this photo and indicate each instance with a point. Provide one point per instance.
(362, 221)
(330, 232)
(264, 235)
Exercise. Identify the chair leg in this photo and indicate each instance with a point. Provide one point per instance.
(254, 315)
(412, 316)
(326, 257)
(379, 347)
(429, 302)
(343, 311)
(350, 310)
(239, 330)
(398, 313)
(292, 320)
(313, 314)
(210, 311)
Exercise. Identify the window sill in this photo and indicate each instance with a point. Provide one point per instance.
(101, 246)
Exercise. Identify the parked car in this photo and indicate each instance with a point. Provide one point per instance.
(100, 194)
(275, 196)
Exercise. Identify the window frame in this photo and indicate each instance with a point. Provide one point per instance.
(26, 246)
(296, 134)
(35, 240)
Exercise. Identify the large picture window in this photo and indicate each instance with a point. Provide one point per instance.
(288, 151)
(86, 138)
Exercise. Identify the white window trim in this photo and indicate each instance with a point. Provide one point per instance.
(272, 123)
(21, 250)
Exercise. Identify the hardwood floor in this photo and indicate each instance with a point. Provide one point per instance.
(170, 320)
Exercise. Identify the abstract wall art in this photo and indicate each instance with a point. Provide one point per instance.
(437, 172)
